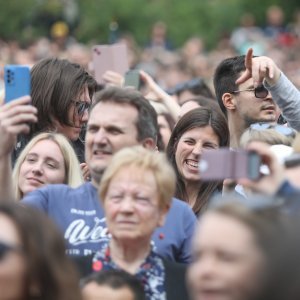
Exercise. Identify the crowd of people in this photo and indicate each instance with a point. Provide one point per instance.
(102, 191)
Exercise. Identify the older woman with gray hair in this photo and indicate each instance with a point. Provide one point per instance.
(136, 192)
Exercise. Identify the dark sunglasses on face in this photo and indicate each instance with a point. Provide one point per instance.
(284, 130)
(81, 107)
(260, 92)
(5, 248)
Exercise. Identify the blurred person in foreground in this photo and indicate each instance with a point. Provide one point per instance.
(33, 261)
(136, 191)
(112, 284)
(257, 263)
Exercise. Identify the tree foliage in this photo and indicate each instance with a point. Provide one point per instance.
(209, 19)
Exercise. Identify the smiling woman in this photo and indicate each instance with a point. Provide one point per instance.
(199, 129)
(47, 159)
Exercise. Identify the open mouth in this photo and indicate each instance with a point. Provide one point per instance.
(192, 163)
(102, 152)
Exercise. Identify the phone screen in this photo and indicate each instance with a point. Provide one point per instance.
(132, 79)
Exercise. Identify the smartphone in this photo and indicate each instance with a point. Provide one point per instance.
(225, 163)
(109, 57)
(17, 82)
(292, 160)
(132, 78)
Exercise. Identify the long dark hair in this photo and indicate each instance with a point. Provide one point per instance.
(50, 274)
(199, 117)
(55, 83)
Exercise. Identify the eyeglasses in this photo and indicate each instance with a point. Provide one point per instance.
(5, 248)
(259, 92)
(286, 131)
(81, 107)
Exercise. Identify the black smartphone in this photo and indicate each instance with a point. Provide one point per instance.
(133, 79)
(225, 163)
(17, 82)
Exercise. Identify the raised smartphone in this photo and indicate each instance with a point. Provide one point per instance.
(132, 78)
(17, 82)
(225, 163)
(109, 57)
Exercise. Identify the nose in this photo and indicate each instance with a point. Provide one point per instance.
(85, 116)
(101, 137)
(206, 267)
(127, 205)
(197, 150)
(37, 168)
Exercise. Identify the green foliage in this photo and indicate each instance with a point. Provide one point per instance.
(210, 19)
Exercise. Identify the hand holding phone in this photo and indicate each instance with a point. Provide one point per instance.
(17, 82)
(109, 58)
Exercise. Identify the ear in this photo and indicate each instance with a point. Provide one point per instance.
(163, 213)
(229, 101)
(149, 143)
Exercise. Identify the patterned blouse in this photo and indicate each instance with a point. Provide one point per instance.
(151, 272)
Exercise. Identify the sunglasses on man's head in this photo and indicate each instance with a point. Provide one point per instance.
(81, 107)
(285, 130)
(260, 92)
(5, 248)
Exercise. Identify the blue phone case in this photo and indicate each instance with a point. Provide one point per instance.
(17, 81)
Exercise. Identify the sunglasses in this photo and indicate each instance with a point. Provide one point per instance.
(259, 92)
(5, 248)
(81, 107)
(284, 130)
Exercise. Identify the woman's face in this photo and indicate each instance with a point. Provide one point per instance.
(44, 164)
(132, 205)
(12, 262)
(189, 150)
(227, 261)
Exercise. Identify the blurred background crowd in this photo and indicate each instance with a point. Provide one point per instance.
(183, 40)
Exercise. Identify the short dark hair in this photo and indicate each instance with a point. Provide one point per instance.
(226, 73)
(55, 83)
(116, 279)
(147, 118)
(198, 117)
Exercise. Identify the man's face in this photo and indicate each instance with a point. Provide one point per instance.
(252, 109)
(111, 127)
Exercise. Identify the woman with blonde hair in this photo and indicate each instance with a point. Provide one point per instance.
(136, 192)
(47, 159)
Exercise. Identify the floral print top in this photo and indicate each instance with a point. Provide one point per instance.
(151, 272)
